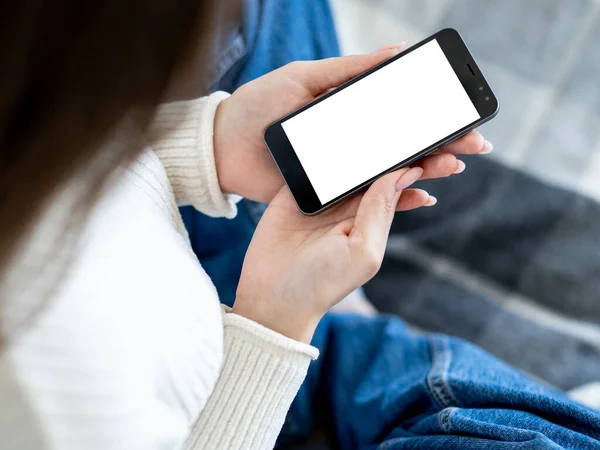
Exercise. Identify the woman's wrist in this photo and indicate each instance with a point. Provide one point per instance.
(222, 161)
(298, 327)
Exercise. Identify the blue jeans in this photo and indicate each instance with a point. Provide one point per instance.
(377, 384)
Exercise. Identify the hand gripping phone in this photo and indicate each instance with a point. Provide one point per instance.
(392, 115)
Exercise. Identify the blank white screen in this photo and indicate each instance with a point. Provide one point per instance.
(380, 121)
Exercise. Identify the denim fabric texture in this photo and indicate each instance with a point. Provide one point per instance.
(378, 384)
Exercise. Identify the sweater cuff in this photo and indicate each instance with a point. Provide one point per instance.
(260, 377)
(182, 135)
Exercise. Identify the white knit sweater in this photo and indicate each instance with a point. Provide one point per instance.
(133, 350)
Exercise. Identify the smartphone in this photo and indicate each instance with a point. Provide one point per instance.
(388, 117)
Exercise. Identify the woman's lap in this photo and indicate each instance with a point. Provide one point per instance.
(377, 384)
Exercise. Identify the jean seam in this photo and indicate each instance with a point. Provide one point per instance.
(235, 51)
(438, 374)
(444, 419)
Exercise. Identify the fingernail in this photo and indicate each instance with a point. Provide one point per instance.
(487, 148)
(397, 48)
(460, 167)
(408, 178)
(431, 201)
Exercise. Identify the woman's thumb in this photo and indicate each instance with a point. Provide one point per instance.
(377, 208)
(320, 76)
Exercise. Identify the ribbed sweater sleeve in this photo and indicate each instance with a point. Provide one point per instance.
(261, 370)
(182, 137)
(260, 376)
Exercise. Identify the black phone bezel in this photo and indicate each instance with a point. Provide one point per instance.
(468, 73)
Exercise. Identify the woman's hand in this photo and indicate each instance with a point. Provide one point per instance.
(298, 267)
(244, 164)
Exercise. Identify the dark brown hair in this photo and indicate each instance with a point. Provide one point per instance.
(70, 72)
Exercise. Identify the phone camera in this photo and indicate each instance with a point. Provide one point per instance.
(487, 99)
(481, 88)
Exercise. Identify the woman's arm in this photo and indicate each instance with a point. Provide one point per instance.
(182, 137)
(261, 374)
(297, 267)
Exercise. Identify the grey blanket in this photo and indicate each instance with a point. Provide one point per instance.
(510, 256)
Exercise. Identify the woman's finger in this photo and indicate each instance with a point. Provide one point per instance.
(471, 144)
(320, 76)
(440, 166)
(414, 199)
(395, 46)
